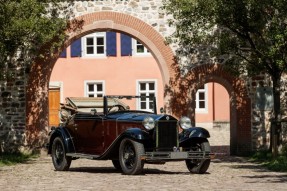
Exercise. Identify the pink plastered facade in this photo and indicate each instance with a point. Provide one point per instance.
(217, 106)
(120, 75)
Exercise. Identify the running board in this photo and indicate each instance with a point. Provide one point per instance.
(81, 155)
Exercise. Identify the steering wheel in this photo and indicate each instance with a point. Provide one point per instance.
(119, 108)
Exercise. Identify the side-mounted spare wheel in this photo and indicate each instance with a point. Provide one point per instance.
(199, 166)
(61, 162)
(130, 157)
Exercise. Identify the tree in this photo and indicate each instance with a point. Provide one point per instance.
(26, 26)
(29, 30)
(250, 34)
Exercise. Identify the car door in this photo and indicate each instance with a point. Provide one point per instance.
(89, 134)
(95, 140)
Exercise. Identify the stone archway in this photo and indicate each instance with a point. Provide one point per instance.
(240, 103)
(37, 86)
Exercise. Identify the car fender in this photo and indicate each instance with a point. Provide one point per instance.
(193, 133)
(135, 134)
(66, 137)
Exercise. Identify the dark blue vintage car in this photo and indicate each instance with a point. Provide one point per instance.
(106, 129)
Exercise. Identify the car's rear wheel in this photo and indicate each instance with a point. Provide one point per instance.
(199, 166)
(60, 160)
(130, 157)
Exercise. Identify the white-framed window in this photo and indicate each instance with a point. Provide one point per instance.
(146, 88)
(94, 88)
(139, 48)
(94, 44)
(201, 99)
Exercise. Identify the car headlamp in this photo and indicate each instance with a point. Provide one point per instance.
(185, 122)
(149, 123)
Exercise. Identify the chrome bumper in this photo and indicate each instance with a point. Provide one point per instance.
(178, 155)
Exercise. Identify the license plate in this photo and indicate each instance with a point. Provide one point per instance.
(179, 155)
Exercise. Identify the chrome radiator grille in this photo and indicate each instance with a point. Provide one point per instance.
(166, 135)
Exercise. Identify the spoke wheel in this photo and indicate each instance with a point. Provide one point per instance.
(60, 161)
(130, 157)
(199, 166)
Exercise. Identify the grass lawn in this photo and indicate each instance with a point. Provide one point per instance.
(278, 164)
(7, 159)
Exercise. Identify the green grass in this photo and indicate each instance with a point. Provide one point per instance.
(8, 159)
(278, 164)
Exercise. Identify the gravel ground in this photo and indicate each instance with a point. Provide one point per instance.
(225, 173)
(228, 173)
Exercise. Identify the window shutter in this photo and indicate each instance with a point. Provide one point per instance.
(111, 39)
(76, 48)
(63, 54)
(126, 45)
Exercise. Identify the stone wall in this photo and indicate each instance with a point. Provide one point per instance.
(148, 11)
(12, 110)
(13, 100)
(261, 116)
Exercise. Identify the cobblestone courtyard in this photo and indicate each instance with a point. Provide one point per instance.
(230, 173)
(224, 173)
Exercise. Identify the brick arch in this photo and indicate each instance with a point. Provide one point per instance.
(240, 103)
(38, 82)
(103, 21)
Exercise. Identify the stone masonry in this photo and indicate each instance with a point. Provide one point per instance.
(13, 115)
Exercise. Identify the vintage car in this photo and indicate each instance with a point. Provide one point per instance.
(107, 129)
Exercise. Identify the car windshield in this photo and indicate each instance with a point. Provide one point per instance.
(143, 103)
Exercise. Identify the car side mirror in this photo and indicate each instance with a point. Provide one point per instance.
(93, 111)
(162, 110)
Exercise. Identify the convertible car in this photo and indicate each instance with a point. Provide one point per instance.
(107, 129)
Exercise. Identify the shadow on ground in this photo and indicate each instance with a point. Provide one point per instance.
(111, 170)
(268, 178)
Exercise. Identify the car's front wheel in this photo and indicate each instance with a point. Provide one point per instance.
(60, 160)
(130, 157)
(199, 166)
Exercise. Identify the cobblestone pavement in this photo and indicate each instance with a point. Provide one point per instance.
(229, 173)
(225, 173)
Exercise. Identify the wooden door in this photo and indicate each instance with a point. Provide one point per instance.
(54, 107)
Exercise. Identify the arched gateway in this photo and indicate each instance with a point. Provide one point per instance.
(240, 103)
(37, 87)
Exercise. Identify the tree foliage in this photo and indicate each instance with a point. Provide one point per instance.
(26, 26)
(250, 35)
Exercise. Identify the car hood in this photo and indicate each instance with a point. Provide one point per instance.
(138, 116)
